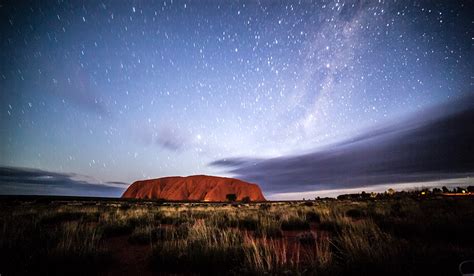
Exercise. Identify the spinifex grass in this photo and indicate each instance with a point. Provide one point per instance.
(390, 236)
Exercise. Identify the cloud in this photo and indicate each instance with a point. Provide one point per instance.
(236, 162)
(434, 144)
(170, 139)
(27, 181)
(164, 135)
(169, 136)
(117, 183)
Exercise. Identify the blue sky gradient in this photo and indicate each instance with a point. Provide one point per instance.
(127, 90)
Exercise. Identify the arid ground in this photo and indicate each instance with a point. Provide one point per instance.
(404, 236)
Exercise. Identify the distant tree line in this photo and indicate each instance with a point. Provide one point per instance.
(425, 192)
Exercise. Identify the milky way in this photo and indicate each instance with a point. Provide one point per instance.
(125, 90)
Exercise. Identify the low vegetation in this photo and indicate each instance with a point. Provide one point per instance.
(390, 236)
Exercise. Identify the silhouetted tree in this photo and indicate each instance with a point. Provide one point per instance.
(231, 197)
(445, 189)
(246, 199)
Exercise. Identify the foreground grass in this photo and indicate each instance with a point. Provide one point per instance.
(384, 237)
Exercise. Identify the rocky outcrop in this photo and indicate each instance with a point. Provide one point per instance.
(194, 188)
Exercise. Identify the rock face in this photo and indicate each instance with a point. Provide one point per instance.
(194, 188)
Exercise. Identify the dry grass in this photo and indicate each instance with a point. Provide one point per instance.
(324, 238)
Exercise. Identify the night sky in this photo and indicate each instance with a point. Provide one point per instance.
(95, 95)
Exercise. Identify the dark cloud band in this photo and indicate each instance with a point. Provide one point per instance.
(435, 144)
(27, 181)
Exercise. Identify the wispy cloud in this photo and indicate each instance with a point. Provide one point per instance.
(28, 181)
(171, 138)
(435, 144)
(163, 135)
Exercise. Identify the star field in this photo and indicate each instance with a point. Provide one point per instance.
(125, 90)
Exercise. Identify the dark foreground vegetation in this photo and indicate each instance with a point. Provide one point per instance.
(390, 236)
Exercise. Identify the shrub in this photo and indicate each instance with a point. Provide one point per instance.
(248, 223)
(307, 238)
(125, 206)
(141, 235)
(231, 197)
(396, 209)
(355, 213)
(58, 217)
(294, 223)
(224, 220)
(182, 231)
(137, 221)
(330, 226)
(268, 227)
(173, 220)
(117, 229)
(312, 216)
(246, 199)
